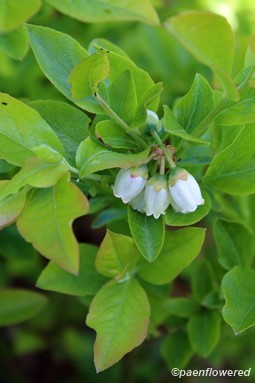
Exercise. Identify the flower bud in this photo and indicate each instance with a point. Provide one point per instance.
(184, 190)
(130, 182)
(152, 117)
(138, 203)
(156, 196)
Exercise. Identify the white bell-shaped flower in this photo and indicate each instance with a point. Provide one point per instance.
(138, 203)
(184, 190)
(130, 182)
(156, 196)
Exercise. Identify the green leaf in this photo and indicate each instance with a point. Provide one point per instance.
(50, 48)
(15, 13)
(19, 305)
(172, 126)
(148, 233)
(209, 38)
(36, 173)
(46, 222)
(88, 74)
(234, 243)
(21, 129)
(92, 157)
(174, 218)
(232, 170)
(181, 307)
(117, 255)
(88, 282)
(204, 332)
(191, 109)
(10, 207)
(97, 11)
(120, 321)
(176, 350)
(239, 291)
(203, 280)
(69, 123)
(240, 113)
(122, 96)
(15, 43)
(111, 134)
(179, 250)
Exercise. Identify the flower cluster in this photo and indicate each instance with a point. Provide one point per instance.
(152, 196)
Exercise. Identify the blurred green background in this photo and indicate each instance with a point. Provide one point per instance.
(56, 346)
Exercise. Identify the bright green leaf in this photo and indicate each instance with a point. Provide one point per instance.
(69, 123)
(209, 38)
(98, 11)
(92, 157)
(179, 250)
(50, 49)
(21, 129)
(232, 170)
(172, 126)
(19, 305)
(46, 222)
(120, 321)
(14, 13)
(204, 332)
(234, 243)
(11, 207)
(203, 280)
(88, 74)
(240, 113)
(239, 291)
(117, 255)
(111, 134)
(181, 307)
(88, 282)
(15, 43)
(148, 233)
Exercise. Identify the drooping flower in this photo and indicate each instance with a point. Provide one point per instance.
(130, 182)
(138, 203)
(156, 196)
(185, 193)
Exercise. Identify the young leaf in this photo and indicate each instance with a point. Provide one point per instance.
(172, 126)
(176, 350)
(11, 207)
(204, 332)
(15, 13)
(35, 172)
(239, 291)
(92, 157)
(111, 134)
(232, 170)
(209, 38)
(50, 48)
(46, 222)
(98, 11)
(122, 96)
(19, 305)
(69, 123)
(120, 321)
(88, 74)
(240, 113)
(15, 43)
(179, 250)
(21, 129)
(173, 218)
(117, 255)
(234, 243)
(147, 232)
(191, 109)
(88, 282)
